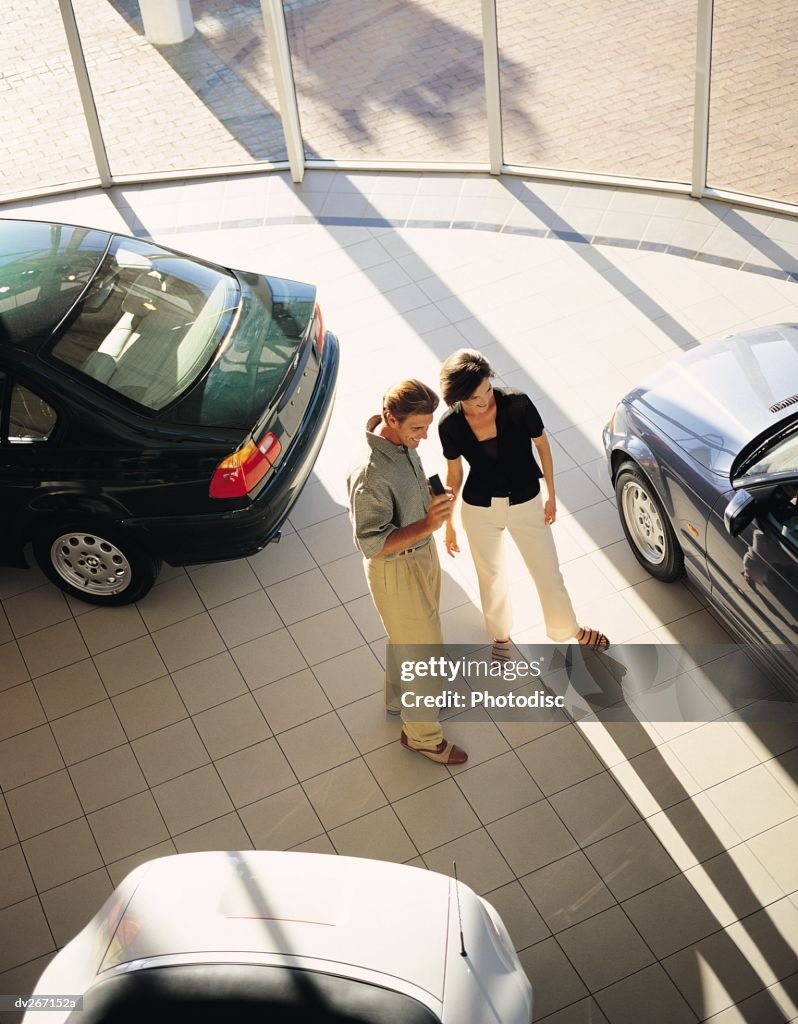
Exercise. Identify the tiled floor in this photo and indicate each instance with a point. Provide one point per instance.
(647, 873)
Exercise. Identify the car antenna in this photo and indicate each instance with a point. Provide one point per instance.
(459, 915)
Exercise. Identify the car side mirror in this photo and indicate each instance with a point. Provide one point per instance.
(739, 513)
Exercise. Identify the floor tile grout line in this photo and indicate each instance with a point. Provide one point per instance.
(41, 956)
(44, 725)
(131, 853)
(482, 827)
(361, 817)
(358, 817)
(211, 760)
(545, 798)
(681, 873)
(39, 891)
(593, 994)
(675, 981)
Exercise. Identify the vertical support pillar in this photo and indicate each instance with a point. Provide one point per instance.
(493, 101)
(166, 22)
(703, 74)
(86, 95)
(277, 36)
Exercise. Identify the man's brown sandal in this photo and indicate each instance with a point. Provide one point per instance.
(444, 753)
(592, 638)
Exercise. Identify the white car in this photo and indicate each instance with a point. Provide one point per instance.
(289, 937)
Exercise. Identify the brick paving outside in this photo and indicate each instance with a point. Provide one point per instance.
(600, 86)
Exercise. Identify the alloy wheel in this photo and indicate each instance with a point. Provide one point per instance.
(90, 563)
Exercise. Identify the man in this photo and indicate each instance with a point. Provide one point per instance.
(394, 516)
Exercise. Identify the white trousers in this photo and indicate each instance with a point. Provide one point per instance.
(526, 524)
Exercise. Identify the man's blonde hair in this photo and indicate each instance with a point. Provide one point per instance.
(409, 398)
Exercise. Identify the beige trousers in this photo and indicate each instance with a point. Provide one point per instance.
(526, 524)
(406, 591)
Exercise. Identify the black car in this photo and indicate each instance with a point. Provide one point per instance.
(153, 406)
(704, 460)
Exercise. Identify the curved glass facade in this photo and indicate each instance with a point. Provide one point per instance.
(597, 89)
(45, 139)
(401, 82)
(753, 122)
(208, 101)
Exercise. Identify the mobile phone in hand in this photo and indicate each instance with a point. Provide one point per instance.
(435, 484)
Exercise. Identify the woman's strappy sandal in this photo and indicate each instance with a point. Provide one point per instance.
(501, 651)
(592, 638)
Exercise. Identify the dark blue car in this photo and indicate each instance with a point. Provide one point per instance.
(153, 407)
(704, 460)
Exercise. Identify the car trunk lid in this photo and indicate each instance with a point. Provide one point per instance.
(349, 912)
(261, 381)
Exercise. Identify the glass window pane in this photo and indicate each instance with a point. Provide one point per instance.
(389, 81)
(31, 418)
(783, 514)
(247, 374)
(754, 99)
(781, 458)
(603, 87)
(43, 269)
(205, 102)
(149, 323)
(45, 140)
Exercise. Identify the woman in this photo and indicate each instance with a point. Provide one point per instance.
(491, 429)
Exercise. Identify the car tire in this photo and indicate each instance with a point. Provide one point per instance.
(96, 562)
(647, 526)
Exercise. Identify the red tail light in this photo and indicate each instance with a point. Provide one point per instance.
(240, 472)
(318, 330)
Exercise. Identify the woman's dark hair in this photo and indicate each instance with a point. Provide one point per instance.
(409, 398)
(462, 373)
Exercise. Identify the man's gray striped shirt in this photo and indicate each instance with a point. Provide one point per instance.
(387, 491)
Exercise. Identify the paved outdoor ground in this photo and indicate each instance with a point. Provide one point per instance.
(597, 86)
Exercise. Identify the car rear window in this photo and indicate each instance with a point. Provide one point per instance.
(150, 322)
(255, 359)
(43, 270)
(207, 993)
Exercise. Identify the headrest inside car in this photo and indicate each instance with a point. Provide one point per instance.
(137, 304)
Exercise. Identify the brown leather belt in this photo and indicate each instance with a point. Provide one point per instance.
(409, 551)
